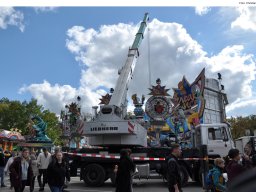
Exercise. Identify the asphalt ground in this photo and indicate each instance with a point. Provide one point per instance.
(143, 185)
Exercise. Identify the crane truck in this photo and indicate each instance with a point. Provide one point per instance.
(110, 131)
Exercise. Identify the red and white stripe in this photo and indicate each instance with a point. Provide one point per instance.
(115, 157)
(134, 158)
(130, 127)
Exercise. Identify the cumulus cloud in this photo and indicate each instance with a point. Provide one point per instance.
(55, 97)
(173, 54)
(10, 16)
(201, 10)
(246, 19)
(245, 106)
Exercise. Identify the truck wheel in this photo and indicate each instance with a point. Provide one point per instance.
(184, 176)
(94, 175)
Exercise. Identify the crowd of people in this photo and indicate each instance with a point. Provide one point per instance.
(234, 166)
(24, 167)
(53, 169)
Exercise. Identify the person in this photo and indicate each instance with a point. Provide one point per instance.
(217, 177)
(35, 170)
(234, 166)
(21, 171)
(2, 165)
(53, 156)
(43, 161)
(8, 164)
(249, 154)
(173, 169)
(54, 159)
(124, 172)
(56, 173)
(245, 182)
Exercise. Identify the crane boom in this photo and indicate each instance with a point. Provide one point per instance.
(110, 127)
(119, 96)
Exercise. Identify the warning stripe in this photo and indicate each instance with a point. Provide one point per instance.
(130, 127)
(134, 158)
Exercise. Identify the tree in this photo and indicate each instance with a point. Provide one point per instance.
(240, 124)
(14, 114)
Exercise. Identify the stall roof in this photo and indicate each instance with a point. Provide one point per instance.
(11, 135)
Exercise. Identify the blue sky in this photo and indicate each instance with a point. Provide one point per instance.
(49, 53)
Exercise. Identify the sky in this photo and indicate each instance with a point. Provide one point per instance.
(54, 54)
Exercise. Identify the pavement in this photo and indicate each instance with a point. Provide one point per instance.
(142, 185)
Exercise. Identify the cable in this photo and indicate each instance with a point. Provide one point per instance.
(149, 66)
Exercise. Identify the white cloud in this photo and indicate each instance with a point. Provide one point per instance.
(9, 16)
(246, 19)
(55, 97)
(200, 10)
(44, 9)
(173, 54)
(245, 106)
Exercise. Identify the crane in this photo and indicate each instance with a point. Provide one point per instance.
(109, 127)
(120, 92)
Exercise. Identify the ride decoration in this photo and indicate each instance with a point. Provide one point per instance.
(40, 130)
(158, 105)
(13, 135)
(138, 111)
(72, 123)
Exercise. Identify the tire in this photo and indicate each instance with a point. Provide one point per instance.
(184, 176)
(94, 175)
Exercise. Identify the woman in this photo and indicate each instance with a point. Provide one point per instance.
(35, 170)
(124, 172)
(56, 173)
(8, 164)
(217, 175)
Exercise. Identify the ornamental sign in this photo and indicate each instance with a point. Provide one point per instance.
(157, 107)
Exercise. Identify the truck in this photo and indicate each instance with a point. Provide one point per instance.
(110, 130)
(242, 142)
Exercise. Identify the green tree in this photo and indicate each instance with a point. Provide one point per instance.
(14, 114)
(240, 124)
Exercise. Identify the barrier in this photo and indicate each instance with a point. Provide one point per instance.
(134, 158)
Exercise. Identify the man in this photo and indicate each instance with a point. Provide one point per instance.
(21, 171)
(2, 165)
(43, 161)
(173, 169)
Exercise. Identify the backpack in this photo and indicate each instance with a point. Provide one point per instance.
(209, 180)
(164, 168)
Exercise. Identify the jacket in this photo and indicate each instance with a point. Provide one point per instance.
(173, 172)
(218, 180)
(34, 168)
(43, 161)
(16, 173)
(234, 169)
(8, 164)
(124, 174)
(56, 173)
(2, 159)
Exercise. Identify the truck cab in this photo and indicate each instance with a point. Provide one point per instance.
(217, 138)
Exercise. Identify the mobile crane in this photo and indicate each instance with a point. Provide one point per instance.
(110, 131)
(110, 127)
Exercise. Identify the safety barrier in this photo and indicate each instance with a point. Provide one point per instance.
(135, 158)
